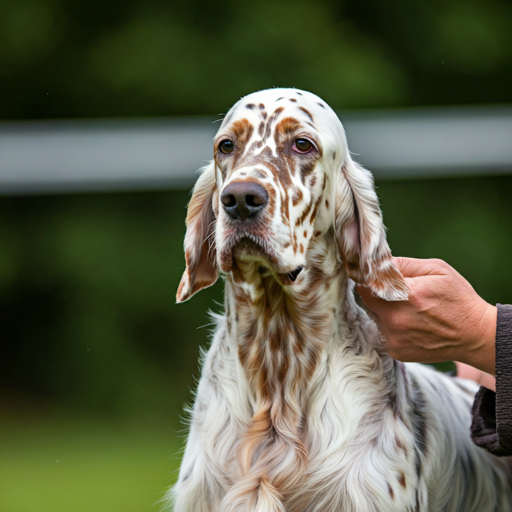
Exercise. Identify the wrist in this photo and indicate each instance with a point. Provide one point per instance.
(482, 342)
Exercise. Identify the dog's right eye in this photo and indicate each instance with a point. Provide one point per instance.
(226, 146)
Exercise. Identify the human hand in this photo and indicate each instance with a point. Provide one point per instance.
(443, 320)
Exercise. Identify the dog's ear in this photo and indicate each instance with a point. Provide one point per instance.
(200, 253)
(361, 236)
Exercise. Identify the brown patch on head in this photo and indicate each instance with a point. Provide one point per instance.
(315, 209)
(313, 181)
(391, 492)
(260, 174)
(242, 131)
(301, 249)
(293, 100)
(305, 213)
(250, 106)
(327, 203)
(256, 145)
(277, 111)
(285, 208)
(401, 479)
(261, 106)
(306, 111)
(318, 233)
(297, 197)
(305, 234)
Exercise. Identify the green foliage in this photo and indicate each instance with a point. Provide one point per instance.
(68, 58)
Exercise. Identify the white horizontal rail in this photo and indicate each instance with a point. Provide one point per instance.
(135, 154)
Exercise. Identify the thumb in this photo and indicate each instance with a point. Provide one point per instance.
(369, 299)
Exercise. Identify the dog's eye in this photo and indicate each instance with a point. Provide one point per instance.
(227, 146)
(302, 146)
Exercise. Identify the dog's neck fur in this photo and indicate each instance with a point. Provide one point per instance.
(281, 336)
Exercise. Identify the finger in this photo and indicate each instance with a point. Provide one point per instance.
(414, 267)
(374, 303)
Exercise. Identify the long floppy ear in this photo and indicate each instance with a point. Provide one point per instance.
(200, 253)
(361, 235)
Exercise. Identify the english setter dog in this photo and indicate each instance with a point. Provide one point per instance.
(299, 408)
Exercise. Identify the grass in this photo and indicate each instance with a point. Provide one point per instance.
(84, 465)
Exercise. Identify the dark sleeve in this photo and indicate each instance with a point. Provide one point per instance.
(492, 412)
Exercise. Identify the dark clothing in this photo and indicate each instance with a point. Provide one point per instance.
(492, 412)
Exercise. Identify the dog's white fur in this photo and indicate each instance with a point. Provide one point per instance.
(299, 408)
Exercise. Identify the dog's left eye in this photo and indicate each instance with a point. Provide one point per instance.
(303, 146)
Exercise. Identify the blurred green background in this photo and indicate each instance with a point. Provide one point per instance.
(97, 360)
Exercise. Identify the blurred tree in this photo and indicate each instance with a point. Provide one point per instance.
(67, 58)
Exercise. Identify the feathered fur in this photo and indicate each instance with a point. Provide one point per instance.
(299, 408)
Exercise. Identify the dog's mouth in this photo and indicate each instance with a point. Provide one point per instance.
(293, 275)
(250, 255)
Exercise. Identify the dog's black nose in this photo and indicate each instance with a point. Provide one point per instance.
(243, 199)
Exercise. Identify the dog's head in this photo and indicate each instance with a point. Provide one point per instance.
(282, 177)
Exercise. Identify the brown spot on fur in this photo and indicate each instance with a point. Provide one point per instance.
(242, 131)
(261, 106)
(401, 480)
(293, 100)
(391, 493)
(277, 111)
(297, 197)
(306, 111)
(305, 234)
(318, 233)
(401, 446)
(261, 129)
(334, 155)
(305, 213)
(301, 249)
(322, 105)
(250, 106)
(313, 181)
(315, 209)
(327, 203)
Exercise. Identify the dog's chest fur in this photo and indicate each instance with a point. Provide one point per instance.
(298, 389)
